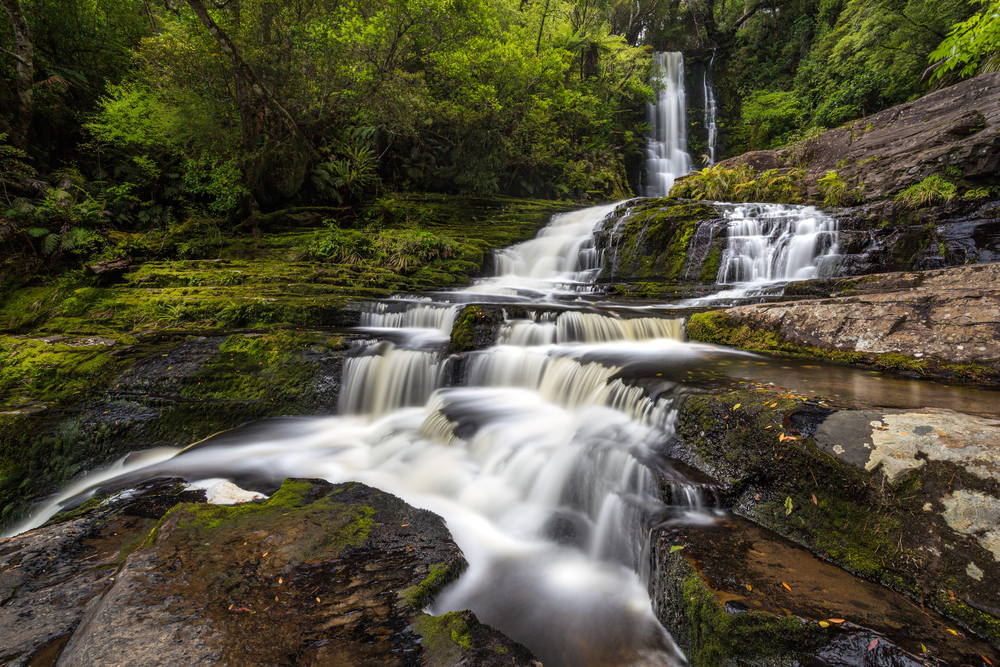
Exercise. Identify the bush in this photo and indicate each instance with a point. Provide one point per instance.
(742, 184)
(836, 191)
(770, 119)
(931, 190)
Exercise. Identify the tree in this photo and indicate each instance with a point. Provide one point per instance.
(967, 43)
(24, 56)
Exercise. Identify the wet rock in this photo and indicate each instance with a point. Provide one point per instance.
(957, 127)
(108, 397)
(476, 328)
(942, 323)
(734, 588)
(48, 576)
(318, 574)
(653, 244)
(907, 498)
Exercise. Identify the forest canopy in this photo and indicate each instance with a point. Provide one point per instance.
(134, 114)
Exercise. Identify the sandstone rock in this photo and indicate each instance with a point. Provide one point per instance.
(957, 126)
(942, 323)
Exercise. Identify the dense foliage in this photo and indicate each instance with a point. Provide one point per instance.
(128, 115)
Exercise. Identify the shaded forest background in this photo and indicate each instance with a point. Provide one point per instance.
(133, 115)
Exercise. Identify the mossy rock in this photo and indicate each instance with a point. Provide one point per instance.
(759, 446)
(476, 328)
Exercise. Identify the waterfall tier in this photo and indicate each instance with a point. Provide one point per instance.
(666, 149)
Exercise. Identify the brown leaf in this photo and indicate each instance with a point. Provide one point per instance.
(836, 620)
(766, 427)
(317, 599)
(873, 644)
(815, 502)
(749, 587)
(774, 405)
(786, 585)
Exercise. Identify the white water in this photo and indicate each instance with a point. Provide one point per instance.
(666, 148)
(711, 110)
(770, 245)
(535, 460)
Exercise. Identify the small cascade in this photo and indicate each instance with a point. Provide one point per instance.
(666, 149)
(399, 314)
(711, 109)
(384, 378)
(578, 327)
(562, 256)
(770, 244)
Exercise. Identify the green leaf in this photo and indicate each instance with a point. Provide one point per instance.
(676, 548)
(788, 505)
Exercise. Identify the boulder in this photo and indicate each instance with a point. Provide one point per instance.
(906, 498)
(957, 127)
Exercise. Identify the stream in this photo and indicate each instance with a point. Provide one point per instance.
(540, 451)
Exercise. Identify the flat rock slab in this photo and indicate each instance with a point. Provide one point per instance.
(318, 574)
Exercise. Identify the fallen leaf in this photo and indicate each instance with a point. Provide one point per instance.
(873, 644)
(766, 427)
(275, 598)
(774, 405)
(265, 553)
(676, 548)
(836, 620)
(404, 525)
(985, 659)
(954, 632)
(788, 505)
(824, 624)
(281, 582)
(786, 586)
(735, 407)
(749, 587)
(317, 599)
(815, 502)
(923, 649)
(230, 607)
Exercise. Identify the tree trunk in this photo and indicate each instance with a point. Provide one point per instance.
(258, 109)
(24, 55)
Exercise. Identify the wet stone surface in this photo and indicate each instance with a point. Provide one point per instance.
(317, 574)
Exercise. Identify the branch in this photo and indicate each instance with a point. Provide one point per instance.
(26, 63)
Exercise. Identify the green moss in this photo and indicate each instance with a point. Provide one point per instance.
(718, 327)
(443, 637)
(710, 269)
(717, 637)
(343, 525)
(439, 576)
(475, 328)
(654, 242)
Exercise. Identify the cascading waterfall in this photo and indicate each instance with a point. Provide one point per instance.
(711, 109)
(536, 459)
(776, 243)
(666, 149)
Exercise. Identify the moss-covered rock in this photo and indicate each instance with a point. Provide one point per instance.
(476, 328)
(890, 529)
(71, 404)
(654, 244)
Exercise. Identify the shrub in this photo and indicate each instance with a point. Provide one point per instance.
(836, 191)
(741, 184)
(931, 190)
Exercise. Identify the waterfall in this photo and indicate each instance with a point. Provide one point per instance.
(776, 243)
(536, 456)
(666, 149)
(711, 109)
